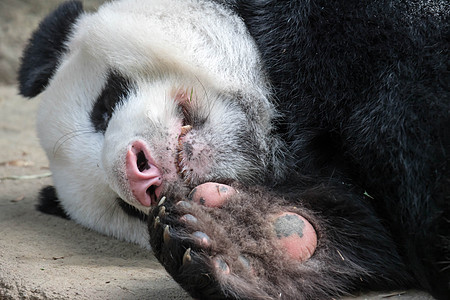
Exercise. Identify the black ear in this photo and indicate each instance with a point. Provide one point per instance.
(45, 47)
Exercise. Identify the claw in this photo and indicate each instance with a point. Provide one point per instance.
(187, 256)
(157, 222)
(162, 212)
(166, 235)
(191, 194)
(161, 202)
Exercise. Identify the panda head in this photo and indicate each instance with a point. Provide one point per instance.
(135, 100)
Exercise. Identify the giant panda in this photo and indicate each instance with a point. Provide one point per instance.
(263, 149)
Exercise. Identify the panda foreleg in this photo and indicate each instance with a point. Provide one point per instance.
(49, 203)
(259, 245)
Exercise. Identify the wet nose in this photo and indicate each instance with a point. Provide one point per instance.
(144, 177)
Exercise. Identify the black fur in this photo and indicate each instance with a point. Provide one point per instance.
(375, 76)
(355, 250)
(49, 203)
(116, 89)
(363, 88)
(46, 46)
(131, 210)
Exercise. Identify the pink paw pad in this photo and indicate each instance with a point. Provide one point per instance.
(296, 235)
(211, 194)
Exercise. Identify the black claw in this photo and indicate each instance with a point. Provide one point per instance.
(191, 194)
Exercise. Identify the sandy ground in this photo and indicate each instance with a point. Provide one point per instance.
(46, 257)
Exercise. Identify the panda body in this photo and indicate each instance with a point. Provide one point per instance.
(333, 114)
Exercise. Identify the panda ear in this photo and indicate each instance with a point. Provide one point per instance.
(45, 48)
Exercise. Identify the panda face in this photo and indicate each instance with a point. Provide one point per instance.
(158, 133)
(140, 97)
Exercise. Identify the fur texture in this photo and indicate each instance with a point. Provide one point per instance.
(364, 90)
(338, 111)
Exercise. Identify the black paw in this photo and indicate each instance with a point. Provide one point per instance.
(232, 242)
(49, 203)
(218, 244)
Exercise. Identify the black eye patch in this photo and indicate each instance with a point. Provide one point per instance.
(115, 91)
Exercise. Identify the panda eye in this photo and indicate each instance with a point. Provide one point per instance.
(115, 91)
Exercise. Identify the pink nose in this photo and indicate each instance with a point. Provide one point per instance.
(144, 178)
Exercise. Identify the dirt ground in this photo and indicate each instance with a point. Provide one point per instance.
(46, 257)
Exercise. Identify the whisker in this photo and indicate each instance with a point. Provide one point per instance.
(209, 103)
(110, 210)
(203, 87)
(68, 136)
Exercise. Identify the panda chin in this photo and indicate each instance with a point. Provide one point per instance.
(131, 210)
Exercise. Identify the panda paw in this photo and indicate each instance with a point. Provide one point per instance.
(230, 242)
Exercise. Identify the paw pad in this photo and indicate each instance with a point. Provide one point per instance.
(188, 218)
(221, 266)
(211, 194)
(184, 204)
(202, 238)
(296, 235)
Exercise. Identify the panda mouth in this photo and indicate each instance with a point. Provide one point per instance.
(184, 99)
(151, 192)
(180, 162)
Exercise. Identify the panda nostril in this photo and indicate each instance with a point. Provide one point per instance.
(143, 176)
(142, 162)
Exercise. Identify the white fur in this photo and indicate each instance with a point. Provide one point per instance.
(163, 45)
